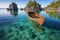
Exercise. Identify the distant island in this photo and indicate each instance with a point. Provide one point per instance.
(53, 6)
(13, 6)
(33, 6)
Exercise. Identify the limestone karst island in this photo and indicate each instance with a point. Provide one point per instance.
(12, 6)
(33, 6)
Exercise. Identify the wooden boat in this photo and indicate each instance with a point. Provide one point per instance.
(36, 17)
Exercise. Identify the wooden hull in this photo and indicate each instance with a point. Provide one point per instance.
(37, 18)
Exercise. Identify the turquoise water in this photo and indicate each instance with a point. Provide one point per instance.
(16, 25)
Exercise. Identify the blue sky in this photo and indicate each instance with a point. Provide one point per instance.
(22, 3)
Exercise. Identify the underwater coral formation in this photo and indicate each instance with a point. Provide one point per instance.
(25, 31)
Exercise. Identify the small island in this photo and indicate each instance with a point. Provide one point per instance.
(13, 6)
(33, 6)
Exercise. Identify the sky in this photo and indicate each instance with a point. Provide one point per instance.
(22, 3)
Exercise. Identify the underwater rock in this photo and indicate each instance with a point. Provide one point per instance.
(21, 28)
(33, 35)
(1, 33)
(10, 31)
(27, 39)
(38, 38)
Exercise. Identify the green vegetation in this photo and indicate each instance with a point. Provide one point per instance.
(54, 5)
(53, 8)
(54, 14)
(33, 5)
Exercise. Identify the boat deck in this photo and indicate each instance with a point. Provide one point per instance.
(38, 19)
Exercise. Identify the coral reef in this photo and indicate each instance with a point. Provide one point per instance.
(25, 31)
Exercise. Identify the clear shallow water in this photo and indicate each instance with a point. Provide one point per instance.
(18, 26)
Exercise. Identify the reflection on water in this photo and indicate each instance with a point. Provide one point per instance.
(51, 20)
(35, 20)
(24, 28)
(47, 22)
(37, 26)
(6, 18)
(13, 12)
(55, 14)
